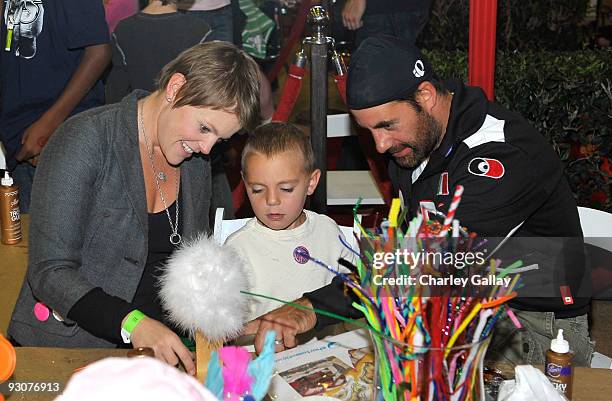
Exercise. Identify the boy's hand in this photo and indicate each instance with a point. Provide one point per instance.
(286, 321)
(167, 346)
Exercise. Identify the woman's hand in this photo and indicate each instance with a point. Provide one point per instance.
(167, 345)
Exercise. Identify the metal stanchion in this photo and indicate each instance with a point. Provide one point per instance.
(318, 20)
(340, 75)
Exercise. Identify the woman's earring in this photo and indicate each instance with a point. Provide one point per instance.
(168, 99)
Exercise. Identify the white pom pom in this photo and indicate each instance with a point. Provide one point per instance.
(200, 288)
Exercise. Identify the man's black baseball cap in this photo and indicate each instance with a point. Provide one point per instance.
(383, 69)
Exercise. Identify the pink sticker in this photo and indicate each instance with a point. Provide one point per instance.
(41, 312)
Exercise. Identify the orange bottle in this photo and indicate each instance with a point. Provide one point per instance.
(10, 217)
(558, 366)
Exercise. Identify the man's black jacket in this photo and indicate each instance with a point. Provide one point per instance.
(513, 182)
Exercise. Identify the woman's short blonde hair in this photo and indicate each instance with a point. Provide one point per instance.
(217, 75)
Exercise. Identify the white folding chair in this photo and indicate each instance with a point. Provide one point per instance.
(224, 228)
(597, 231)
(596, 227)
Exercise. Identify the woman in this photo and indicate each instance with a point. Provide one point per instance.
(118, 188)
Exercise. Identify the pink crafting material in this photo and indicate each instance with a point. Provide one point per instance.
(41, 312)
(397, 375)
(399, 317)
(236, 379)
(514, 319)
(389, 314)
(452, 210)
(453, 367)
(388, 309)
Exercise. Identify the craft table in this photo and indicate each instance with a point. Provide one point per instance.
(57, 365)
(13, 265)
(53, 365)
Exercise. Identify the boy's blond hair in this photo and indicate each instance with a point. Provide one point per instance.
(218, 75)
(274, 138)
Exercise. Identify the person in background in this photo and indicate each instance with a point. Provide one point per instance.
(218, 14)
(145, 42)
(117, 10)
(119, 188)
(404, 19)
(51, 70)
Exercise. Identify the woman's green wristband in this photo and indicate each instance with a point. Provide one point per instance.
(131, 321)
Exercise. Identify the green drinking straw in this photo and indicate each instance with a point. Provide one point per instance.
(328, 314)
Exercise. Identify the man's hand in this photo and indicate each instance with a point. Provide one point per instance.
(167, 346)
(352, 12)
(35, 137)
(286, 321)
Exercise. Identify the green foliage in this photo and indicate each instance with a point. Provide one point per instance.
(448, 26)
(521, 25)
(568, 98)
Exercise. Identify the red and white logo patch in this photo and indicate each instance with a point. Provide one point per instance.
(484, 167)
(566, 295)
(443, 184)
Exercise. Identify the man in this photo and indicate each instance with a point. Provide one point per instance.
(54, 55)
(444, 134)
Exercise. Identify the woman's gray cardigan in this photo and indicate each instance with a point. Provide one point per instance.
(88, 222)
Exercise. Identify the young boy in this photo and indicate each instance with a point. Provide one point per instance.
(279, 173)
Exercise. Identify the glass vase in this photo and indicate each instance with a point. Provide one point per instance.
(409, 373)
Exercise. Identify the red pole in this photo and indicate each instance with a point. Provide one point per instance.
(291, 91)
(481, 55)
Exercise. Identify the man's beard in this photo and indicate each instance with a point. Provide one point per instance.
(428, 134)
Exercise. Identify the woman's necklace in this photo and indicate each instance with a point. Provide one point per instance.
(175, 237)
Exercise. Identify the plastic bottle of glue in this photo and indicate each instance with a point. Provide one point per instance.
(558, 367)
